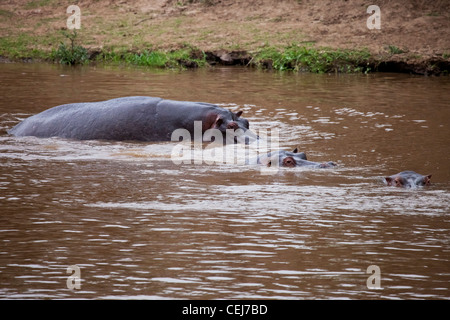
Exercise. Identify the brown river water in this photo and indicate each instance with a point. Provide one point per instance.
(135, 225)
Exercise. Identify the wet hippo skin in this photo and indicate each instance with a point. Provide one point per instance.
(129, 118)
(408, 179)
(289, 159)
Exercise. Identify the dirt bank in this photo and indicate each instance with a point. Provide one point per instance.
(414, 36)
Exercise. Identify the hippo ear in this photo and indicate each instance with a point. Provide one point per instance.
(238, 114)
(388, 180)
(426, 179)
(219, 121)
(295, 150)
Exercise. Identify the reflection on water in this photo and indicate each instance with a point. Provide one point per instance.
(139, 226)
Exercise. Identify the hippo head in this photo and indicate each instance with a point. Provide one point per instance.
(291, 160)
(287, 159)
(233, 128)
(408, 179)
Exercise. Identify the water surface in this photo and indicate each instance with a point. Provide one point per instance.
(139, 226)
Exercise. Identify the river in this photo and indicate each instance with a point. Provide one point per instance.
(132, 224)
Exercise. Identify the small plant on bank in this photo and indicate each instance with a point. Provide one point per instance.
(204, 2)
(72, 54)
(395, 50)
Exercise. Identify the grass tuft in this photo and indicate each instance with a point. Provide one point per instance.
(72, 54)
(310, 59)
(186, 57)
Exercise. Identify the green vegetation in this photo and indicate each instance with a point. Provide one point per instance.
(6, 13)
(73, 54)
(37, 3)
(302, 57)
(395, 50)
(310, 59)
(143, 40)
(205, 2)
(186, 57)
(22, 46)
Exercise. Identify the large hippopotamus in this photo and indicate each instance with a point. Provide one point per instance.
(129, 118)
(289, 159)
(408, 179)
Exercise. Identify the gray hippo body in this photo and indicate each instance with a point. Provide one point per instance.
(129, 118)
(289, 159)
(408, 179)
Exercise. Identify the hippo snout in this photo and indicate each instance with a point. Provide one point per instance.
(292, 159)
(327, 164)
(243, 135)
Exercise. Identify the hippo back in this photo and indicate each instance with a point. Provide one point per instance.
(116, 119)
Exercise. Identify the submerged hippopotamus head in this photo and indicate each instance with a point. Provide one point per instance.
(230, 124)
(408, 179)
(291, 159)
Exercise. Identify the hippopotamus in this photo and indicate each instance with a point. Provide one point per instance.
(129, 118)
(289, 159)
(408, 179)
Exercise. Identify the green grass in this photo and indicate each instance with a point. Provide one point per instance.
(147, 58)
(21, 46)
(70, 54)
(186, 57)
(204, 2)
(310, 59)
(70, 49)
(395, 50)
(6, 13)
(37, 3)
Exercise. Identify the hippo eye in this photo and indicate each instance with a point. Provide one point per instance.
(289, 162)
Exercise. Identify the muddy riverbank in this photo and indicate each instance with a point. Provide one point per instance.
(413, 35)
